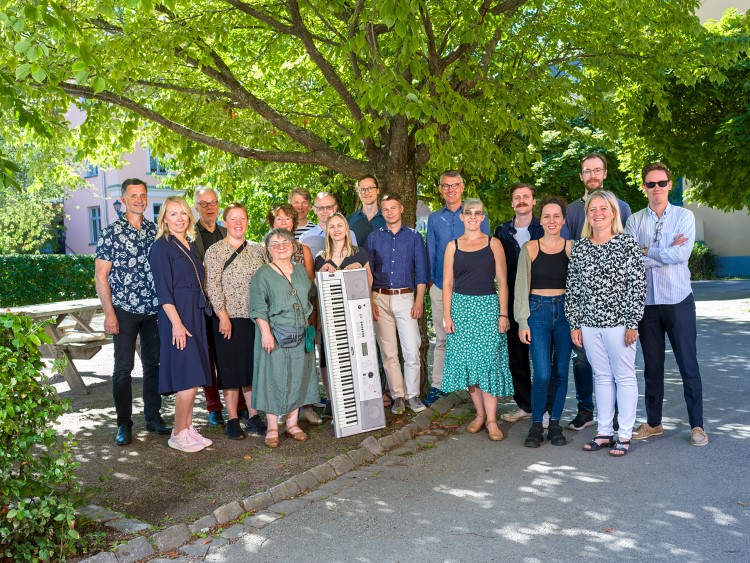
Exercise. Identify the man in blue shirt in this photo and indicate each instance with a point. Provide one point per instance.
(399, 271)
(593, 172)
(126, 289)
(666, 235)
(367, 218)
(522, 228)
(443, 226)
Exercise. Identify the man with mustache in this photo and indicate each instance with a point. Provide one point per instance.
(512, 234)
(593, 172)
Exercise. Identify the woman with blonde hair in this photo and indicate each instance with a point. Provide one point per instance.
(604, 300)
(179, 277)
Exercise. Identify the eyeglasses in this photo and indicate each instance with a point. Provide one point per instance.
(657, 231)
(278, 245)
(204, 204)
(660, 183)
(450, 187)
(367, 190)
(586, 172)
(325, 207)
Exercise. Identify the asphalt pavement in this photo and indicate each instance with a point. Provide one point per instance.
(469, 499)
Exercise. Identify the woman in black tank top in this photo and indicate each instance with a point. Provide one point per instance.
(539, 309)
(475, 318)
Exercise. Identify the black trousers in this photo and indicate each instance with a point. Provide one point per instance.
(133, 325)
(520, 367)
(679, 324)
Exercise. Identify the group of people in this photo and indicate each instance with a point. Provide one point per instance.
(217, 311)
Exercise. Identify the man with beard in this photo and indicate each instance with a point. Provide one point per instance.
(513, 234)
(593, 172)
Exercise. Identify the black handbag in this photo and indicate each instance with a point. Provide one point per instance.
(290, 336)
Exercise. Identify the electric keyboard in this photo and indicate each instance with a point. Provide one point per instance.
(349, 340)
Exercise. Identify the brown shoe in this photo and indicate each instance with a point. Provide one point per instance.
(476, 425)
(272, 438)
(494, 431)
(645, 431)
(698, 437)
(297, 433)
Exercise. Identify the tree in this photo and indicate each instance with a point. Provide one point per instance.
(703, 129)
(395, 88)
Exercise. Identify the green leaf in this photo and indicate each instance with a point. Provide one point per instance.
(22, 71)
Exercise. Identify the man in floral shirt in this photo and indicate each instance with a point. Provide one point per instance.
(126, 289)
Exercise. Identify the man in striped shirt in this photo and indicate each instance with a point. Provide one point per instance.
(666, 234)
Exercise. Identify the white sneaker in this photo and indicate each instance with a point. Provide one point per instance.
(184, 442)
(198, 438)
(545, 420)
(515, 416)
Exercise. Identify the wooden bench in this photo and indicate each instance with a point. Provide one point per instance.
(82, 345)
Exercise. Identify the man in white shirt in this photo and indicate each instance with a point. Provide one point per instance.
(324, 206)
(666, 235)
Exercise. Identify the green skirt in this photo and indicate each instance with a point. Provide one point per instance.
(476, 354)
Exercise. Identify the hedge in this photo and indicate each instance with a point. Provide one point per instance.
(28, 279)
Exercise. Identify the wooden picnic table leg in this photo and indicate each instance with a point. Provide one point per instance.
(84, 320)
(71, 374)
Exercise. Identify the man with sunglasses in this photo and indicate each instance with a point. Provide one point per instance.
(666, 234)
(443, 226)
(592, 172)
(368, 217)
(208, 232)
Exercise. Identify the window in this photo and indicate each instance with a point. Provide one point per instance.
(154, 166)
(157, 208)
(89, 170)
(95, 224)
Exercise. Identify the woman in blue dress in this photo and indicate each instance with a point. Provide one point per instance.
(179, 277)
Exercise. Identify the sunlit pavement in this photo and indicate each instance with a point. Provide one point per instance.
(472, 500)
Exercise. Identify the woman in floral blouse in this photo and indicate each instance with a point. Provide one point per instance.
(604, 300)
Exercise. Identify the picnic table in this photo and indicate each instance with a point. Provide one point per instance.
(72, 340)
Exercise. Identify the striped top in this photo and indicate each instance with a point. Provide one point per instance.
(667, 273)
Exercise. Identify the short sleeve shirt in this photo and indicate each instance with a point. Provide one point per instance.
(130, 279)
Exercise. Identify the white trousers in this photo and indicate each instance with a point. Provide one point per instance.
(394, 324)
(613, 365)
(438, 357)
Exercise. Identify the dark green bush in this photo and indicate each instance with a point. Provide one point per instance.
(37, 485)
(702, 262)
(28, 279)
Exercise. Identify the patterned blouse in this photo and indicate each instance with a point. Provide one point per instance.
(606, 284)
(230, 289)
(130, 279)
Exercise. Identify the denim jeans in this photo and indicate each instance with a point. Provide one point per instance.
(550, 349)
(131, 326)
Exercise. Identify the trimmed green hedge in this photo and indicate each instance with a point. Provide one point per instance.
(28, 279)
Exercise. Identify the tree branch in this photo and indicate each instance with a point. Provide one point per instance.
(183, 89)
(433, 58)
(324, 157)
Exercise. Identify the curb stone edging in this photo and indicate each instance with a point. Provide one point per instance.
(369, 450)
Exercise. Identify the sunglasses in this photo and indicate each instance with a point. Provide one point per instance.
(660, 183)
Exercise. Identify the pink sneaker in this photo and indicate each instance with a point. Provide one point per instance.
(184, 442)
(197, 438)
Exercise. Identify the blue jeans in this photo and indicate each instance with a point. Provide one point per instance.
(550, 349)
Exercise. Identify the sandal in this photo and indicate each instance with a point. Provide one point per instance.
(272, 441)
(621, 448)
(594, 446)
(297, 433)
(476, 424)
(494, 431)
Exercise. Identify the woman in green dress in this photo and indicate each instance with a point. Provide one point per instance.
(284, 379)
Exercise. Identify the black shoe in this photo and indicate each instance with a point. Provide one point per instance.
(535, 437)
(124, 435)
(583, 419)
(234, 430)
(328, 410)
(243, 414)
(158, 425)
(215, 418)
(555, 434)
(256, 426)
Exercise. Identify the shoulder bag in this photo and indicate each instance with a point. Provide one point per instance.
(288, 336)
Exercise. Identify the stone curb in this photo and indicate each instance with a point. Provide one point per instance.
(267, 506)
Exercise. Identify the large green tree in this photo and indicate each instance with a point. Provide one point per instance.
(397, 88)
(702, 128)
